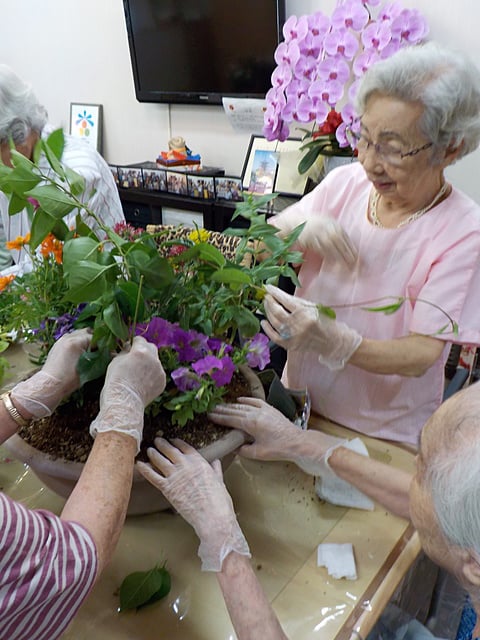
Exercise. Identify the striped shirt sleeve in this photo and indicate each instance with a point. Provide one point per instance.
(47, 568)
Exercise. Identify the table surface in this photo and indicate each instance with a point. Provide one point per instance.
(283, 521)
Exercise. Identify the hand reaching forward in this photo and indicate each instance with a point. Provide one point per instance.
(274, 436)
(41, 393)
(196, 490)
(134, 378)
(327, 237)
(297, 325)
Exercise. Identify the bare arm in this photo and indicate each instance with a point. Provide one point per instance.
(100, 498)
(408, 356)
(250, 611)
(382, 483)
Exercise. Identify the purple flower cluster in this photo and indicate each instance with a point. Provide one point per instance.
(200, 356)
(61, 324)
(322, 59)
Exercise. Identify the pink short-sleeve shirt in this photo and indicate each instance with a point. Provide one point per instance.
(435, 258)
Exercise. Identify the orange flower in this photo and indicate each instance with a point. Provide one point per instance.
(52, 246)
(19, 242)
(5, 281)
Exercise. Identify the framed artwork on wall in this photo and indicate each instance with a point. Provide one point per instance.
(86, 122)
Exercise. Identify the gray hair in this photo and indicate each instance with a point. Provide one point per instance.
(445, 82)
(20, 111)
(453, 476)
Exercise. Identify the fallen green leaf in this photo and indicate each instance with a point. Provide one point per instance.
(141, 588)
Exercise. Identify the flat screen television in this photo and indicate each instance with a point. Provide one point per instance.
(198, 51)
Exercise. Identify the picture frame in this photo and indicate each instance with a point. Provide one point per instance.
(288, 181)
(130, 177)
(201, 187)
(229, 188)
(177, 182)
(86, 123)
(263, 172)
(154, 179)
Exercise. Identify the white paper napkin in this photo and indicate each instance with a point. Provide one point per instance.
(333, 489)
(338, 559)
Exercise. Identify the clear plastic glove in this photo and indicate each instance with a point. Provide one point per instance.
(297, 325)
(134, 378)
(196, 490)
(42, 393)
(327, 237)
(274, 436)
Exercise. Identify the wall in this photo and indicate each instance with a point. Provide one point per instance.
(74, 52)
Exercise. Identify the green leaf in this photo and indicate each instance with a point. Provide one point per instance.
(327, 311)
(53, 159)
(53, 200)
(141, 588)
(93, 364)
(42, 225)
(78, 249)
(17, 203)
(56, 142)
(86, 282)
(308, 159)
(114, 321)
(229, 275)
(387, 309)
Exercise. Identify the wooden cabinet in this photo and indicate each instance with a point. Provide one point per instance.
(143, 207)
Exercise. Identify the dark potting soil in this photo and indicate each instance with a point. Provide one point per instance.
(65, 434)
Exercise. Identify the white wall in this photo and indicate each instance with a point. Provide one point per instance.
(78, 52)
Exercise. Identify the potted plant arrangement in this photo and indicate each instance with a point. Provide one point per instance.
(200, 307)
(319, 67)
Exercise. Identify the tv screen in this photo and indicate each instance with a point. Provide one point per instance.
(197, 51)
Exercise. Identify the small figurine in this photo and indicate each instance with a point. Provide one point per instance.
(178, 154)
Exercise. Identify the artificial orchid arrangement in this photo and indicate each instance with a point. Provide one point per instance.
(319, 67)
(198, 307)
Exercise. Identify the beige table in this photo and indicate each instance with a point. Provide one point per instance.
(283, 521)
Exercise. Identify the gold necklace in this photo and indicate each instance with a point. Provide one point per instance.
(375, 196)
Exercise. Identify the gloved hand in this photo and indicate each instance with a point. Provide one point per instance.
(325, 236)
(42, 393)
(297, 325)
(134, 378)
(276, 438)
(196, 490)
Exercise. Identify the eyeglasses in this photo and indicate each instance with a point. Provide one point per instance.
(384, 150)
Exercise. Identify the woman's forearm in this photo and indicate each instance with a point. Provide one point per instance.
(408, 356)
(384, 484)
(250, 611)
(100, 498)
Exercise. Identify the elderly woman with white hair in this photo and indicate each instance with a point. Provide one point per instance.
(23, 121)
(388, 227)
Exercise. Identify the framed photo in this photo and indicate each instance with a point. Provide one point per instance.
(130, 178)
(201, 187)
(155, 179)
(229, 188)
(86, 122)
(177, 182)
(263, 172)
(287, 179)
(114, 169)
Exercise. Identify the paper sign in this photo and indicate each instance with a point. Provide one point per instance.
(245, 114)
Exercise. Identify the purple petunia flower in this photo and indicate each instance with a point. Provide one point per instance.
(190, 345)
(258, 355)
(221, 370)
(158, 331)
(185, 379)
